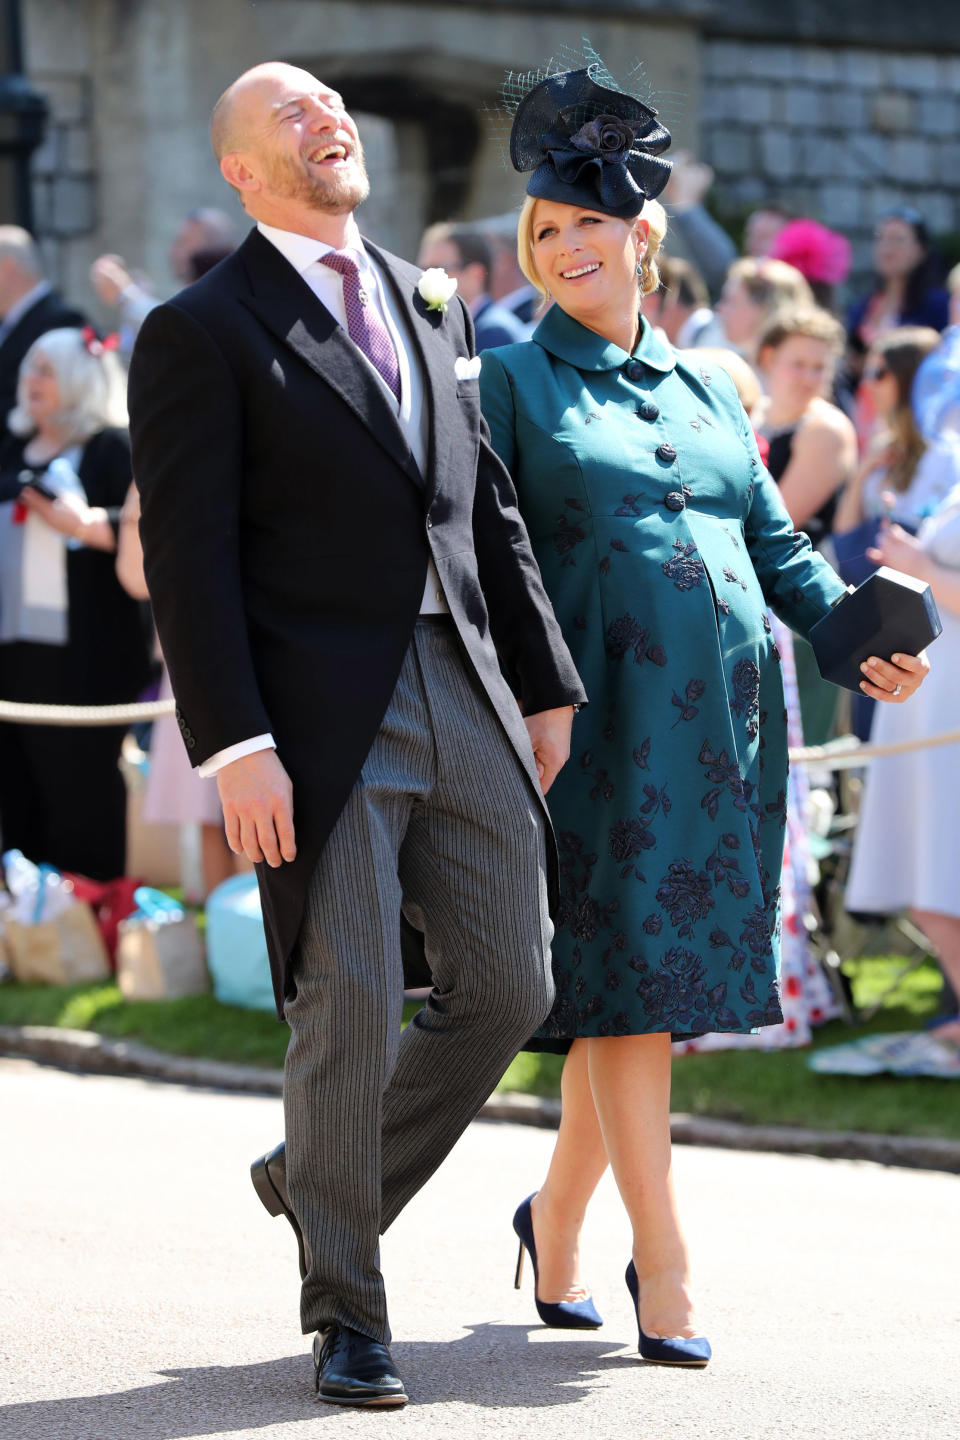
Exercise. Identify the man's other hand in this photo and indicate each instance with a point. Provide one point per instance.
(549, 732)
(257, 799)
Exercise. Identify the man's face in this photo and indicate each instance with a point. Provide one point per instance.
(302, 145)
(445, 255)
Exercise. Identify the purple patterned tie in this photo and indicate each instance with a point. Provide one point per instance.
(365, 328)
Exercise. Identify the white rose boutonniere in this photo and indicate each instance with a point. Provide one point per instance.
(436, 287)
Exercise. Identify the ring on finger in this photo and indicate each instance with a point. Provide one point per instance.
(896, 690)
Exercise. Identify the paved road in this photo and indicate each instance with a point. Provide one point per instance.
(144, 1295)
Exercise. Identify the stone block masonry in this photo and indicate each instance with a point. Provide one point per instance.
(838, 133)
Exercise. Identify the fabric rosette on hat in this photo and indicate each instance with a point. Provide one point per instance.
(589, 144)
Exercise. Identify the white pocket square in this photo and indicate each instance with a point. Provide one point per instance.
(465, 369)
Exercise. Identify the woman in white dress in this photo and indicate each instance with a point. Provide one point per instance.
(908, 837)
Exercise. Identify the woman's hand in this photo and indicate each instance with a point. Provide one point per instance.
(901, 551)
(71, 516)
(896, 679)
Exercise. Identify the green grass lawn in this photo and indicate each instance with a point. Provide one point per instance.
(755, 1087)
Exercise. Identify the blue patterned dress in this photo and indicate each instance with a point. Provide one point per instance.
(662, 539)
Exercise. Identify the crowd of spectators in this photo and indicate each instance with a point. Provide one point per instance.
(857, 411)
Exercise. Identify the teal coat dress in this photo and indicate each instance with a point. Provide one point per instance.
(662, 540)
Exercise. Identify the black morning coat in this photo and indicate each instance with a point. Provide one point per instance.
(286, 529)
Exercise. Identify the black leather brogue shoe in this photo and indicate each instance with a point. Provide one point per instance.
(352, 1369)
(269, 1176)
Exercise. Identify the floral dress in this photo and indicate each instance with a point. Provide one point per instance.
(661, 540)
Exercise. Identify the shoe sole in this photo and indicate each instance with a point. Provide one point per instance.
(685, 1364)
(375, 1402)
(272, 1202)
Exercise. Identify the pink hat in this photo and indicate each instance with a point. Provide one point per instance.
(821, 255)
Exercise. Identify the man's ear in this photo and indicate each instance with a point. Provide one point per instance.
(237, 173)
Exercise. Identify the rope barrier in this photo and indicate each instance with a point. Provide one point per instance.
(848, 752)
(842, 754)
(85, 714)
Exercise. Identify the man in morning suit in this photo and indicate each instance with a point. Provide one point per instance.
(29, 307)
(338, 572)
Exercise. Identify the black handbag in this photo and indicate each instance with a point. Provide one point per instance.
(889, 614)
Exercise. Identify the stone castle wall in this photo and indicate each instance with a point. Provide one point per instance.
(839, 133)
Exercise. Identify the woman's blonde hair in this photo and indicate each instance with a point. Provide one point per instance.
(90, 381)
(649, 278)
(771, 284)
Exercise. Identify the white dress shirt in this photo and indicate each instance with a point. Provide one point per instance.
(326, 283)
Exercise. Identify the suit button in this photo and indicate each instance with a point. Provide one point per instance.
(634, 370)
(674, 501)
(191, 743)
(648, 411)
(666, 452)
(429, 523)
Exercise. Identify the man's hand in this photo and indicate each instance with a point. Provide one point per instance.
(690, 179)
(549, 732)
(109, 276)
(257, 800)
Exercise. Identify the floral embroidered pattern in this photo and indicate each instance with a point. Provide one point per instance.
(686, 703)
(685, 568)
(685, 895)
(745, 702)
(627, 633)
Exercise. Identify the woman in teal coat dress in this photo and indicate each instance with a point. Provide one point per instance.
(662, 540)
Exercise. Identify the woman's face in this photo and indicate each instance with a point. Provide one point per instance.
(896, 249)
(798, 370)
(587, 260)
(883, 386)
(741, 317)
(41, 391)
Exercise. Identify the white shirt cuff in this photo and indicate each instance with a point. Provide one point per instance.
(236, 752)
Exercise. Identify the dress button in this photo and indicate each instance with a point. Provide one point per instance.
(674, 501)
(634, 370)
(648, 411)
(666, 452)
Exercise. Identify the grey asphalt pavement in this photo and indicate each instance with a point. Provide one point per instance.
(145, 1295)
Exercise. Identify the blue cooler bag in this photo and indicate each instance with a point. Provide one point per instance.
(236, 945)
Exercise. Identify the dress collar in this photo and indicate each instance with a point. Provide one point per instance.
(566, 338)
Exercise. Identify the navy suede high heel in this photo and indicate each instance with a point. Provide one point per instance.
(671, 1349)
(564, 1314)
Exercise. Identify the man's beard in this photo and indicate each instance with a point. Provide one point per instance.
(339, 193)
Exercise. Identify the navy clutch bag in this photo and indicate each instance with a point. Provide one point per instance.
(889, 614)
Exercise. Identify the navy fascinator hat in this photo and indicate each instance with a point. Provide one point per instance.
(589, 145)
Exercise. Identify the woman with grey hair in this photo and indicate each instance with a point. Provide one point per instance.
(69, 634)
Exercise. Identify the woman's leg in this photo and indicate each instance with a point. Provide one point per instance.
(578, 1161)
(630, 1081)
(943, 932)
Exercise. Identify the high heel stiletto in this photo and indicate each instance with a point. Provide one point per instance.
(671, 1349)
(564, 1314)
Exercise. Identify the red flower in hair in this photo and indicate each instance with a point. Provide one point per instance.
(94, 345)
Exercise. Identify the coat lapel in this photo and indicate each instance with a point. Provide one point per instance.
(284, 303)
(425, 328)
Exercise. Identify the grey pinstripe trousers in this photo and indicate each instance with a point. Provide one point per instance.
(441, 823)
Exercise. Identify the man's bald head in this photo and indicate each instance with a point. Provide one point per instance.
(286, 144)
(234, 122)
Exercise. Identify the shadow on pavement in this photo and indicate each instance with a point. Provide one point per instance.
(492, 1367)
